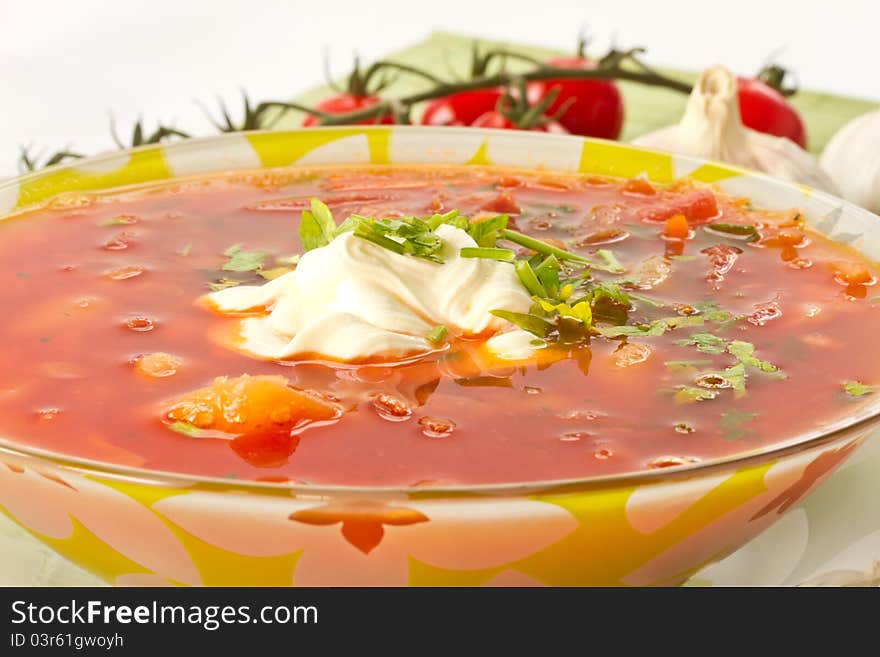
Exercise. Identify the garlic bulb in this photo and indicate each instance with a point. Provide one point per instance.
(711, 128)
(852, 159)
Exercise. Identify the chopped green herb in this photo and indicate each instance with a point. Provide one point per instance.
(532, 323)
(738, 231)
(317, 226)
(274, 272)
(541, 247)
(638, 330)
(612, 264)
(223, 283)
(485, 232)
(657, 327)
(690, 394)
(528, 278)
(409, 236)
(489, 253)
(121, 220)
(243, 260)
(186, 429)
(547, 273)
(437, 334)
(736, 376)
(731, 424)
(857, 389)
(452, 218)
(743, 352)
(681, 364)
(705, 342)
(580, 311)
(726, 324)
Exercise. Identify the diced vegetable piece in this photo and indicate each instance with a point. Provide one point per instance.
(502, 203)
(246, 404)
(676, 227)
(696, 205)
(852, 273)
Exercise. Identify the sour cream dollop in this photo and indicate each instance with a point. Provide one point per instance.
(353, 300)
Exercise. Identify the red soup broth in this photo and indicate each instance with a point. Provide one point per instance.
(93, 282)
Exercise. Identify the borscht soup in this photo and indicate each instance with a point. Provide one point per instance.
(415, 326)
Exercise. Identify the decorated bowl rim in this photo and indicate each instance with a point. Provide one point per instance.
(849, 425)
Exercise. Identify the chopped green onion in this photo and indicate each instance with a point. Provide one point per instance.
(541, 247)
(528, 279)
(185, 428)
(739, 231)
(611, 262)
(489, 253)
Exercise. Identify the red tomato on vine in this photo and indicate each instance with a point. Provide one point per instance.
(495, 119)
(462, 108)
(587, 107)
(765, 109)
(343, 104)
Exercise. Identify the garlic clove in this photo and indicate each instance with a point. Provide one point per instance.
(711, 128)
(852, 159)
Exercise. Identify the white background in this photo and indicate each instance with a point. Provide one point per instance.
(65, 65)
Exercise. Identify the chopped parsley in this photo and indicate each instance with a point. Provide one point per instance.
(690, 394)
(317, 227)
(743, 352)
(527, 322)
(857, 389)
(705, 342)
(240, 260)
(731, 424)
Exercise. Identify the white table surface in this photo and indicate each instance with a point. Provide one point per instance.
(65, 65)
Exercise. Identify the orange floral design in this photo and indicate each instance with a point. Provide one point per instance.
(823, 465)
(362, 520)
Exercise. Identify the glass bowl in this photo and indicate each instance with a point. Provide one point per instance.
(139, 527)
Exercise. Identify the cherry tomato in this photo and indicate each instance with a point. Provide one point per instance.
(460, 109)
(593, 108)
(344, 103)
(494, 119)
(766, 110)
